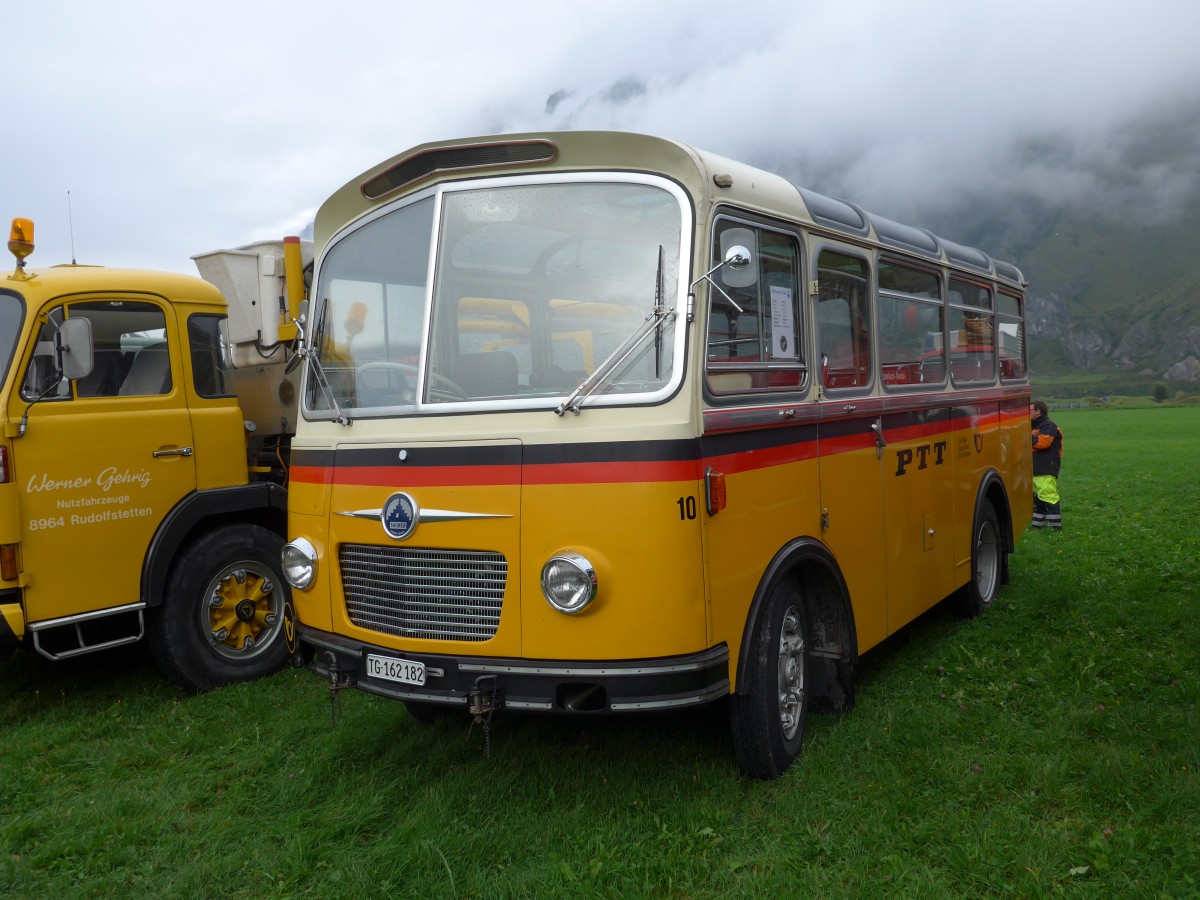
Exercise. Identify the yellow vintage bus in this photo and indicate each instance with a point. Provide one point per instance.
(597, 423)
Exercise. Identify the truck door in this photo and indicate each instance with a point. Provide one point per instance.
(102, 460)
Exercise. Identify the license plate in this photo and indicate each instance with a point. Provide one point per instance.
(390, 668)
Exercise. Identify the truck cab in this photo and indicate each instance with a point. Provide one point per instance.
(139, 499)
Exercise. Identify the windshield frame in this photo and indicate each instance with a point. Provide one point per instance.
(8, 349)
(316, 408)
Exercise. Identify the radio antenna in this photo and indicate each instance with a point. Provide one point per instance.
(71, 227)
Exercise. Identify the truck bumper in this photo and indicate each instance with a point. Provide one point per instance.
(559, 686)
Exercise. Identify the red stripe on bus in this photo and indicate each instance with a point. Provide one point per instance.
(478, 476)
(636, 471)
(311, 474)
(765, 458)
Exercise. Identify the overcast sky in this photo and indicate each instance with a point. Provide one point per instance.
(179, 129)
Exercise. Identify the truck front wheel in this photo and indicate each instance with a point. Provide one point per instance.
(223, 616)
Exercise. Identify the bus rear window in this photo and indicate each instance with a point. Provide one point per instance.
(1010, 338)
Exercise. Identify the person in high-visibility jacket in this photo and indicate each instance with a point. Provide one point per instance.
(1047, 460)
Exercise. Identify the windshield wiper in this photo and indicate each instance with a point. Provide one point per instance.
(658, 279)
(652, 324)
(308, 353)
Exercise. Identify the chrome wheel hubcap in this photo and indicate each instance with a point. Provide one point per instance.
(791, 673)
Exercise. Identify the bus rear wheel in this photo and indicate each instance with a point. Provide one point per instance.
(769, 712)
(987, 561)
(224, 615)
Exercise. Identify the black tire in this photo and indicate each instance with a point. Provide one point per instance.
(987, 563)
(223, 615)
(769, 712)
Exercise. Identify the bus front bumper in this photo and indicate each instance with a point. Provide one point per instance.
(561, 686)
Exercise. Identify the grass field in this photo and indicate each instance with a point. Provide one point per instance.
(1049, 747)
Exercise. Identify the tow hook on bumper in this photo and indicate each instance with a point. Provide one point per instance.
(338, 682)
(483, 700)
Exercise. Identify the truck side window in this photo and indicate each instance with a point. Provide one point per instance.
(209, 372)
(129, 351)
(42, 381)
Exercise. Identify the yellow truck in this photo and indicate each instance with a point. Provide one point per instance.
(144, 459)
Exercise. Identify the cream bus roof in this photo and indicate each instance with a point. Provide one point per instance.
(707, 177)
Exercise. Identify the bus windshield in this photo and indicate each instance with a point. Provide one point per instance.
(529, 288)
(11, 313)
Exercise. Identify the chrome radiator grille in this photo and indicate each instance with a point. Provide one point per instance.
(424, 593)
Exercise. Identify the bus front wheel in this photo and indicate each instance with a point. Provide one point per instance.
(769, 712)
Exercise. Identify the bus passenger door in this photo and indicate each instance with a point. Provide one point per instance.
(850, 440)
(918, 497)
(852, 521)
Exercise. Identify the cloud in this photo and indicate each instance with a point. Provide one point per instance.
(908, 108)
(177, 133)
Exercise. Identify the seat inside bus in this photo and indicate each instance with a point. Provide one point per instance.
(489, 374)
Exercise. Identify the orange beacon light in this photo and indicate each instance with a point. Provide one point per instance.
(20, 240)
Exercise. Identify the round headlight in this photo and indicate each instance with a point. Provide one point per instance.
(569, 582)
(299, 560)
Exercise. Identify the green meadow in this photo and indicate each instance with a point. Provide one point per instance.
(1050, 747)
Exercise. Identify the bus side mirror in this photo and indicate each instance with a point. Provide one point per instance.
(737, 269)
(74, 342)
(300, 322)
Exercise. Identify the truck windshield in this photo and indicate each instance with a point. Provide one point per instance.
(12, 311)
(531, 286)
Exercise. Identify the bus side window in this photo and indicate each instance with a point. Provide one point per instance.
(843, 321)
(972, 333)
(911, 326)
(754, 332)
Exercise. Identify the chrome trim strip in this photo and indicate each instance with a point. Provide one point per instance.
(718, 690)
(511, 669)
(426, 515)
(460, 701)
(526, 704)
